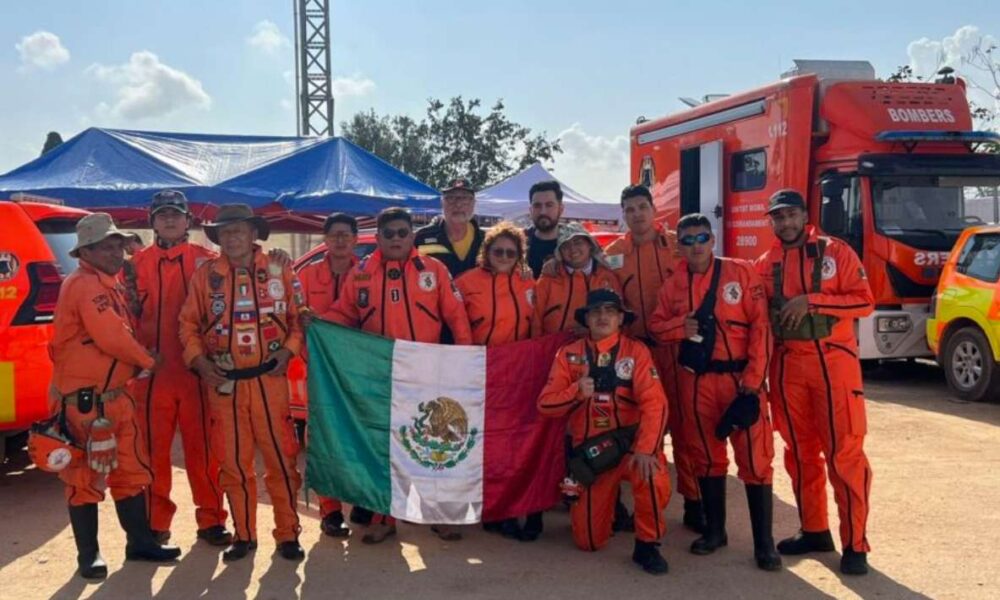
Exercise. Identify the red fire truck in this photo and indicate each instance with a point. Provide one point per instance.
(891, 168)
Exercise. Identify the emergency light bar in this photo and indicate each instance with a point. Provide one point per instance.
(910, 139)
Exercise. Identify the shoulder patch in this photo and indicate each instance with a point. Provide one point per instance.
(732, 292)
(616, 261)
(102, 302)
(829, 267)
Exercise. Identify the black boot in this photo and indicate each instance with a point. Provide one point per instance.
(649, 558)
(694, 516)
(854, 563)
(361, 516)
(623, 521)
(760, 499)
(333, 525)
(291, 550)
(88, 555)
(532, 528)
(713, 499)
(238, 549)
(804, 542)
(510, 528)
(141, 543)
(216, 535)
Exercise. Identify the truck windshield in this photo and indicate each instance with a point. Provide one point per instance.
(929, 211)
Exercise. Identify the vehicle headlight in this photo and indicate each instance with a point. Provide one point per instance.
(897, 324)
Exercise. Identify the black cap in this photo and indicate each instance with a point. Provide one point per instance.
(460, 183)
(786, 198)
(174, 199)
(601, 297)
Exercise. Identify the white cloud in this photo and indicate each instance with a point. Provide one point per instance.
(41, 49)
(148, 88)
(268, 38)
(594, 165)
(352, 86)
(927, 56)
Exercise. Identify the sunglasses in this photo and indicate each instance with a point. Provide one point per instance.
(691, 240)
(504, 252)
(402, 232)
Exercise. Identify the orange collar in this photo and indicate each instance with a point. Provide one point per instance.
(607, 343)
(108, 281)
(631, 245)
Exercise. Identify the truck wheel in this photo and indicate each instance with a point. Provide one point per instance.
(969, 367)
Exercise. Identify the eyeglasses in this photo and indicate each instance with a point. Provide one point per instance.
(341, 235)
(691, 240)
(453, 200)
(504, 252)
(389, 233)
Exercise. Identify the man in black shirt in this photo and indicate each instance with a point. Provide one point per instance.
(455, 237)
(546, 209)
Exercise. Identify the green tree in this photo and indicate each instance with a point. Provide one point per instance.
(52, 141)
(453, 140)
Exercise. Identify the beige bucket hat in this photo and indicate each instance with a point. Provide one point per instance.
(92, 229)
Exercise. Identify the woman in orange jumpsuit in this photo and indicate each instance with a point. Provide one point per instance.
(498, 295)
(579, 269)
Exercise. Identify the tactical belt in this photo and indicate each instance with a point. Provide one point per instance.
(251, 372)
(727, 366)
(106, 396)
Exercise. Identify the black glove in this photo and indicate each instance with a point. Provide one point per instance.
(742, 413)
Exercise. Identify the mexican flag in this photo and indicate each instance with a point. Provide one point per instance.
(430, 433)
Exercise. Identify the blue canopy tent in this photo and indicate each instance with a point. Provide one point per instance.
(286, 178)
(509, 200)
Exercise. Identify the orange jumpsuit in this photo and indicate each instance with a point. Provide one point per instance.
(742, 337)
(94, 346)
(641, 271)
(404, 300)
(499, 305)
(244, 315)
(322, 288)
(173, 396)
(819, 404)
(638, 398)
(558, 296)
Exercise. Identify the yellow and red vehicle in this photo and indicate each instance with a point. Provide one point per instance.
(964, 328)
(890, 168)
(34, 259)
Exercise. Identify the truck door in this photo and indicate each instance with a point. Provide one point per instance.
(701, 186)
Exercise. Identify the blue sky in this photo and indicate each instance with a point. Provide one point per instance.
(580, 69)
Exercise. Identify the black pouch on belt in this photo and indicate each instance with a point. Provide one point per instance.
(696, 355)
(85, 400)
(600, 453)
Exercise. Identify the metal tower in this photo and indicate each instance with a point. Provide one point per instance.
(313, 81)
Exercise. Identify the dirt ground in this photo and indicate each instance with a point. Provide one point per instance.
(934, 529)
